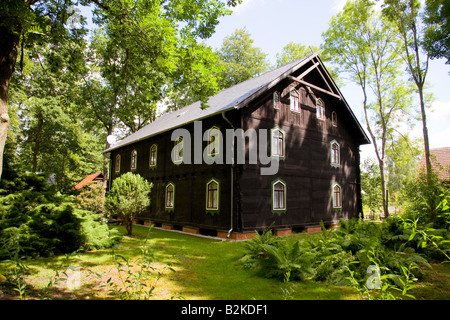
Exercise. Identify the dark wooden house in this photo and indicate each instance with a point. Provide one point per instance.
(309, 129)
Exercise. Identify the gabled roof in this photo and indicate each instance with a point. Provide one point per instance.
(89, 178)
(231, 98)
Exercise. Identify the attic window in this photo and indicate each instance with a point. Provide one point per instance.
(294, 100)
(133, 160)
(178, 151)
(213, 141)
(320, 109)
(276, 100)
(153, 155)
(117, 164)
(334, 119)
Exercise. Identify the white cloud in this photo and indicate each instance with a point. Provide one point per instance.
(337, 6)
(244, 6)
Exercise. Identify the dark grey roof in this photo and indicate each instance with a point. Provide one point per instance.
(234, 97)
(226, 99)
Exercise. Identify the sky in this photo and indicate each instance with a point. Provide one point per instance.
(274, 23)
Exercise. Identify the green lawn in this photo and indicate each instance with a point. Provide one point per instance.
(204, 269)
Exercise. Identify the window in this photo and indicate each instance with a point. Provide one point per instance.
(212, 195)
(276, 100)
(334, 119)
(335, 153)
(320, 109)
(117, 165)
(133, 160)
(213, 141)
(153, 155)
(170, 196)
(278, 196)
(295, 101)
(277, 142)
(337, 196)
(178, 150)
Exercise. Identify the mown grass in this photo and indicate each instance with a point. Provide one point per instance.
(204, 269)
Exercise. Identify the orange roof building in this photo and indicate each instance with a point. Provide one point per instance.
(98, 176)
(440, 160)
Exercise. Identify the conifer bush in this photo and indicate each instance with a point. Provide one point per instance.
(35, 220)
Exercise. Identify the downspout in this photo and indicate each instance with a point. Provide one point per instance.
(232, 183)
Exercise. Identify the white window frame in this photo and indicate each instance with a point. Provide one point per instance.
(214, 132)
(178, 148)
(294, 99)
(170, 206)
(334, 119)
(217, 198)
(279, 209)
(336, 197)
(276, 100)
(320, 109)
(117, 164)
(153, 147)
(335, 154)
(274, 147)
(133, 162)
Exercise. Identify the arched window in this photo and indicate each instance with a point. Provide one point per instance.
(294, 100)
(334, 119)
(213, 141)
(212, 195)
(276, 100)
(320, 109)
(278, 196)
(337, 196)
(335, 153)
(153, 155)
(133, 160)
(170, 196)
(178, 150)
(278, 146)
(117, 164)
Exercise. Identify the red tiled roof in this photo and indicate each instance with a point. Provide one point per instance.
(440, 156)
(88, 179)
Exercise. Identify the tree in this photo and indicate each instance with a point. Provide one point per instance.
(363, 45)
(437, 33)
(191, 18)
(128, 198)
(241, 61)
(405, 16)
(293, 51)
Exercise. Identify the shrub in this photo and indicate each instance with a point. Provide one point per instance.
(37, 220)
(128, 198)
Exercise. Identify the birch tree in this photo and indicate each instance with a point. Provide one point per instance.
(363, 46)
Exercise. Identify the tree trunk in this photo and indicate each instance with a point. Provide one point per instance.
(9, 44)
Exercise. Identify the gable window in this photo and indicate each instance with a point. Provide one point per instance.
(178, 151)
(335, 153)
(334, 119)
(294, 100)
(278, 142)
(320, 109)
(153, 155)
(133, 160)
(117, 164)
(278, 196)
(212, 195)
(170, 196)
(213, 141)
(276, 100)
(337, 196)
